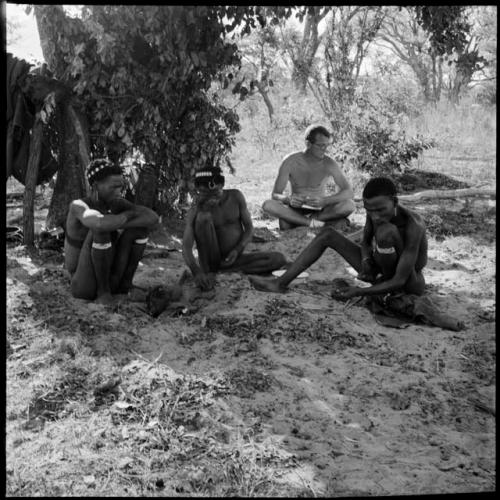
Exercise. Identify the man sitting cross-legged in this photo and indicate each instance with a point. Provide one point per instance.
(309, 172)
(391, 256)
(220, 225)
(105, 236)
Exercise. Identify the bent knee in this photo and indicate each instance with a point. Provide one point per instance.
(269, 206)
(279, 259)
(387, 234)
(348, 207)
(327, 235)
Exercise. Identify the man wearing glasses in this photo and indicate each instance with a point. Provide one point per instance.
(309, 172)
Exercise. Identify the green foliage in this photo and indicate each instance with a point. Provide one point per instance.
(144, 75)
(446, 25)
(375, 145)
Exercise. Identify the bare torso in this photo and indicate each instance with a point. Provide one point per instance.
(227, 221)
(309, 177)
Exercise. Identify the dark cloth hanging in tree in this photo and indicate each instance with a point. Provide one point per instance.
(20, 120)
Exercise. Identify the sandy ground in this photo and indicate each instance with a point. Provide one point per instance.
(353, 407)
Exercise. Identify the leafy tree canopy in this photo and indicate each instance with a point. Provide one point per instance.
(447, 26)
(144, 77)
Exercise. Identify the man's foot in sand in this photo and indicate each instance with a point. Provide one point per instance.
(133, 293)
(266, 284)
(105, 299)
(341, 225)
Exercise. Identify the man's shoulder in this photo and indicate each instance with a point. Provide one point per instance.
(293, 157)
(414, 219)
(82, 203)
(234, 194)
(331, 163)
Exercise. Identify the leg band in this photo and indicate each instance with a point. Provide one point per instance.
(142, 241)
(389, 250)
(101, 246)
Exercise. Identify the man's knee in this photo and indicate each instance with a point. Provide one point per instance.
(328, 236)
(387, 235)
(278, 259)
(348, 207)
(269, 206)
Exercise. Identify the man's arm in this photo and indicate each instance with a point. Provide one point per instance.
(281, 182)
(142, 216)
(95, 220)
(405, 266)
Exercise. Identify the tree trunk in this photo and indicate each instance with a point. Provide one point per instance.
(147, 185)
(70, 183)
(267, 101)
(47, 17)
(35, 153)
(444, 193)
(302, 62)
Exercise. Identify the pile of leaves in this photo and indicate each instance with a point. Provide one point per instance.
(443, 223)
(283, 320)
(411, 180)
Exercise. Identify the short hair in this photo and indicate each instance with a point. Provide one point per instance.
(208, 177)
(314, 130)
(379, 186)
(100, 168)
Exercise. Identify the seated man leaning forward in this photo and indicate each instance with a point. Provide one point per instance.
(105, 236)
(220, 225)
(309, 172)
(391, 256)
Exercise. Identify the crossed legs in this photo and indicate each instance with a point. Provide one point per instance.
(290, 217)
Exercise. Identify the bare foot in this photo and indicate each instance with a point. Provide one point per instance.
(105, 299)
(266, 284)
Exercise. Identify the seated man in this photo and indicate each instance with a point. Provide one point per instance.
(391, 256)
(220, 225)
(308, 173)
(105, 236)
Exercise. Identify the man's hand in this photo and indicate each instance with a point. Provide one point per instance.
(315, 201)
(297, 200)
(230, 259)
(347, 293)
(205, 281)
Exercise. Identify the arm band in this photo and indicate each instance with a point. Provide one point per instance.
(101, 246)
(141, 242)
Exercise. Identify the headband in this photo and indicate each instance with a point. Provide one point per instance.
(210, 177)
(99, 165)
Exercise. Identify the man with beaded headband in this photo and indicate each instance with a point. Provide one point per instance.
(105, 236)
(221, 227)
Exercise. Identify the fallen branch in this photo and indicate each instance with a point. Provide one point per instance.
(444, 193)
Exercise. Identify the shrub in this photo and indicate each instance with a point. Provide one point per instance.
(374, 142)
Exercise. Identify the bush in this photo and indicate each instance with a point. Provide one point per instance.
(374, 143)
